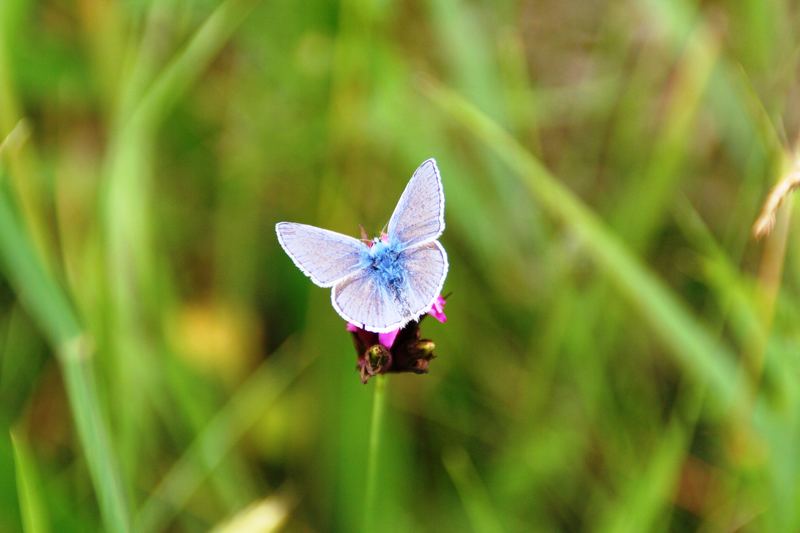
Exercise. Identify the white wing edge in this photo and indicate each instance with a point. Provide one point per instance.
(439, 185)
(415, 316)
(310, 276)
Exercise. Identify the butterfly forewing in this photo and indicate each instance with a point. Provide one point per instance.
(324, 256)
(419, 215)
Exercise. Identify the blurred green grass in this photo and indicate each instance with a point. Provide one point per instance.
(620, 354)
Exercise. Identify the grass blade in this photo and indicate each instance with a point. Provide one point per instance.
(49, 306)
(125, 204)
(215, 441)
(689, 343)
(646, 498)
(472, 491)
(34, 515)
(189, 63)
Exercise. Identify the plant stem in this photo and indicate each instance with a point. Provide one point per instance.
(376, 427)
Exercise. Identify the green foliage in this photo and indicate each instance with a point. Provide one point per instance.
(34, 514)
(620, 354)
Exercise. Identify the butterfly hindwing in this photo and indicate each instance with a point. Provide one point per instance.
(324, 256)
(363, 301)
(369, 301)
(425, 268)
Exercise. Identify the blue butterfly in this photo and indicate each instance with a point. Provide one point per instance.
(384, 286)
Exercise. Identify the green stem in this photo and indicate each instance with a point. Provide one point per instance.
(376, 427)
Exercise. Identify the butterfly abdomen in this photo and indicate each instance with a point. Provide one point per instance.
(387, 265)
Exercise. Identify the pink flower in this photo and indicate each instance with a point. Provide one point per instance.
(387, 339)
(399, 350)
(437, 310)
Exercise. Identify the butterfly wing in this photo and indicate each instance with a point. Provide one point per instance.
(425, 271)
(324, 256)
(364, 300)
(419, 215)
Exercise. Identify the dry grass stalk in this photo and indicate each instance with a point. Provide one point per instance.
(766, 219)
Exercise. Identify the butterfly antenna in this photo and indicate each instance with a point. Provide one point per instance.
(364, 237)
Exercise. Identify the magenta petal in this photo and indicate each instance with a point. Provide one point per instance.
(438, 315)
(387, 339)
(352, 328)
(437, 310)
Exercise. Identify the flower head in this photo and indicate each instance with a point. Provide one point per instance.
(399, 350)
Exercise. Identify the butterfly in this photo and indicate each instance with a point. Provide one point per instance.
(383, 285)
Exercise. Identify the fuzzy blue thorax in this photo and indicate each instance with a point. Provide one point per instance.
(384, 261)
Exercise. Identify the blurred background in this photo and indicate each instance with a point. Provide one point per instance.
(620, 354)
